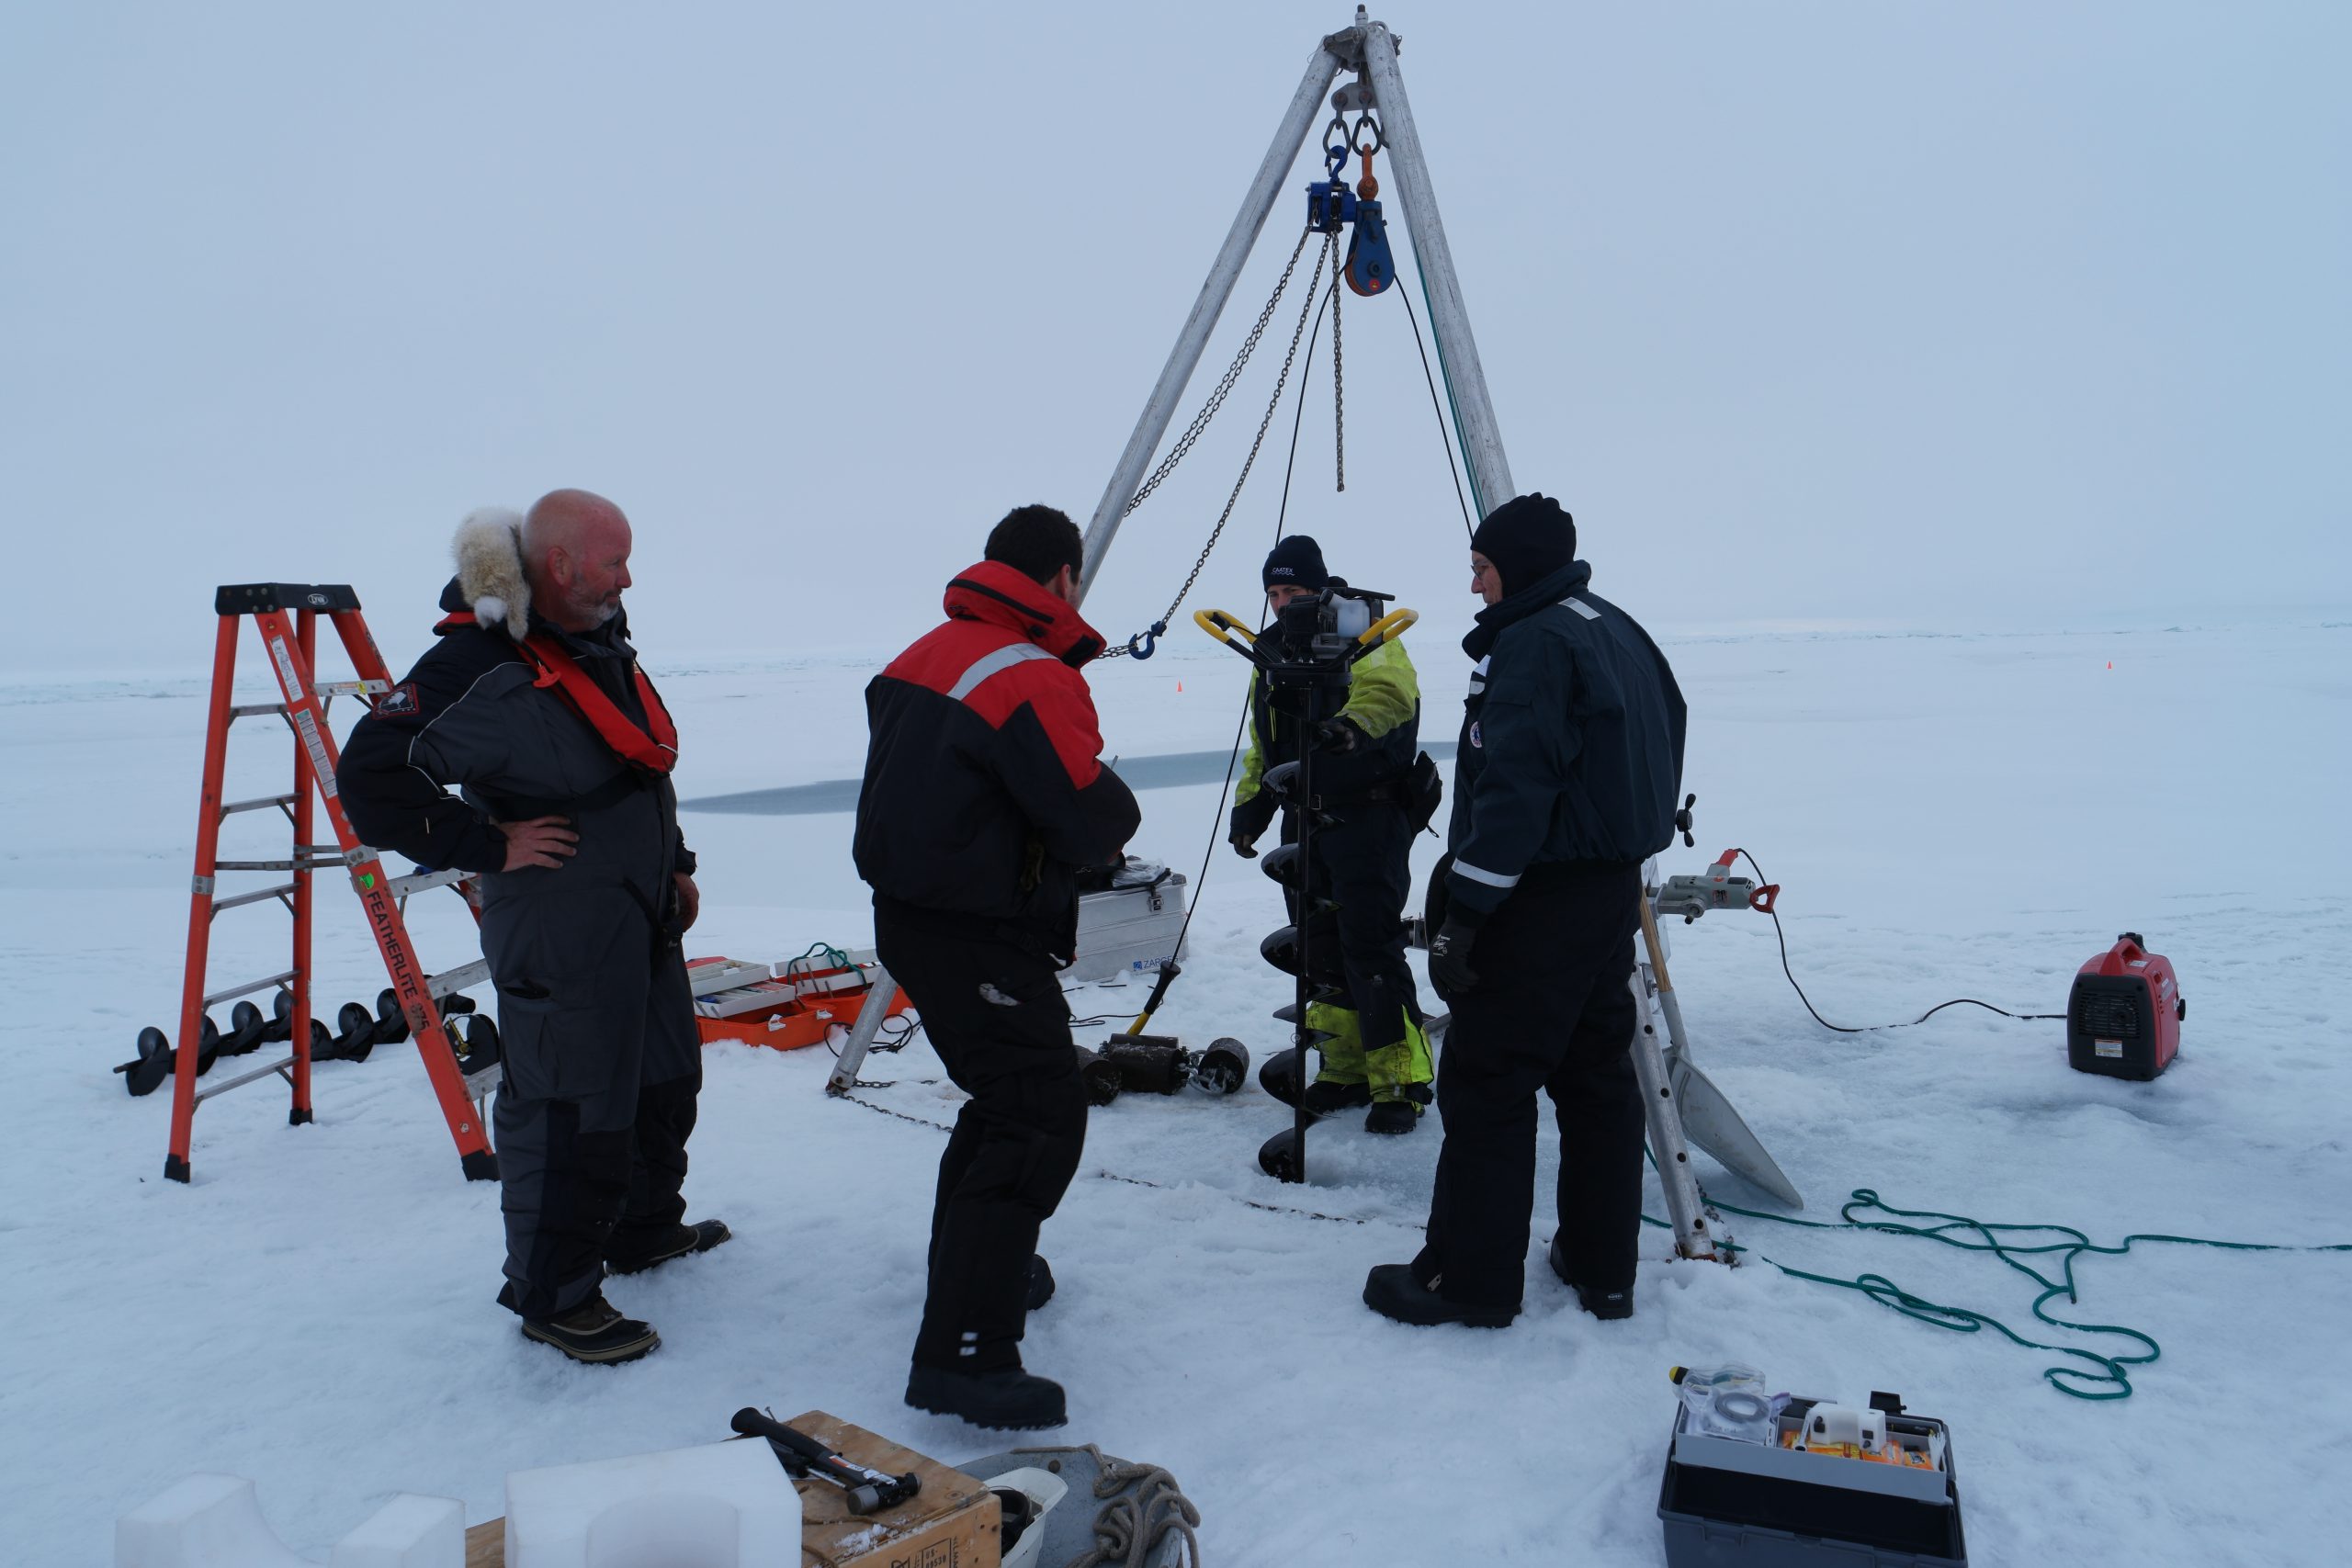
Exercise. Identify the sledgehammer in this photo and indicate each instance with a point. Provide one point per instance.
(1133, 1033)
(864, 1490)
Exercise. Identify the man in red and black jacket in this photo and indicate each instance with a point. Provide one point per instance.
(984, 795)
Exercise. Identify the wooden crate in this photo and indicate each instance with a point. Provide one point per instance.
(954, 1522)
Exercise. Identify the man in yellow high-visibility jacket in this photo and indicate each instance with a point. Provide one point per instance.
(1375, 1054)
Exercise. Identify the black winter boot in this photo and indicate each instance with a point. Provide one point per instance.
(593, 1332)
(1604, 1305)
(1005, 1400)
(1326, 1098)
(1391, 1291)
(643, 1253)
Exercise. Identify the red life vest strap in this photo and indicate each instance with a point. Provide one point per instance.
(559, 672)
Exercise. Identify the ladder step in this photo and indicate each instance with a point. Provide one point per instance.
(351, 688)
(402, 886)
(243, 1079)
(482, 1083)
(308, 863)
(254, 710)
(454, 980)
(253, 598)
(259, 802)
(235, 991)
(283, 890)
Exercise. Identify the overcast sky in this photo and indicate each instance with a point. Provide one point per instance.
(1936, 314)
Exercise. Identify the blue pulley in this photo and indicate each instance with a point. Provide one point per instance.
(1371, 269)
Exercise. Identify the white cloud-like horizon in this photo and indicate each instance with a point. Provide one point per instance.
(1916, 315)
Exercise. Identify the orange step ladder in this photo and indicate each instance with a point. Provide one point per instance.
(287, 616)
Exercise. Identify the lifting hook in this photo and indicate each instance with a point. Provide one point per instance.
(1144, 644)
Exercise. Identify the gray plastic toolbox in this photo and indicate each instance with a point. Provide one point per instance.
(1725, 1503)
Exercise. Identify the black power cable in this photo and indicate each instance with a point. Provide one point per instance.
(1233, 759)
(1782, 937)
(1444, 437)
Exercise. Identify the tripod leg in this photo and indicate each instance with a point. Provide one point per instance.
(861, 1034)
(1272, 175)
(1457, 352)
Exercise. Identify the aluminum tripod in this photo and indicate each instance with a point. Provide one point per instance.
(1369, 50)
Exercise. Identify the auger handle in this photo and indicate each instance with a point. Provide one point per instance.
(1387, 628)
(1221, 624)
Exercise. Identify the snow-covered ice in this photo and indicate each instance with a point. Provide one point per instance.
(1950, 815)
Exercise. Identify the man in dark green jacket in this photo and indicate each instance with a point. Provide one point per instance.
(1373, 1052)
(1571, 765)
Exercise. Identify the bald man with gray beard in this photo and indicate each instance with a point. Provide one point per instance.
(533, 708)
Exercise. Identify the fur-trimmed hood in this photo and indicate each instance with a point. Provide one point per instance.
(490, 580)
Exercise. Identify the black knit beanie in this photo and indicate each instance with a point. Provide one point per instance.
(1528, 538)
(1297, 562)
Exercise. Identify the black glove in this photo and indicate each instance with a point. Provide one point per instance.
(1338, 735)
(1251, 818)
(1450, 969)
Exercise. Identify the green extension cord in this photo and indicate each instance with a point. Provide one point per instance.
(832, 958)
(2108, 1382)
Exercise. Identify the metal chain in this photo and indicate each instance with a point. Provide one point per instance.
(1338, 397)
(1331, 252)
(1224, 385)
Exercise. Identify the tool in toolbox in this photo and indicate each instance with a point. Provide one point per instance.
(2124, 1014)
(1792, 1482)
(287, 617)
(864, 1489)
(786, 1005)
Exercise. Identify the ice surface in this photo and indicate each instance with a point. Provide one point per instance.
(1950, 815)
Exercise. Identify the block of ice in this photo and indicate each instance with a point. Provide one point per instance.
(202, 1521)
(719, 1505)
(409, 1531)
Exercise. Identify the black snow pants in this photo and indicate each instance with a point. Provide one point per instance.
(603, 1068)
(1552, 1011)
(1363, 863)
(994, 1011)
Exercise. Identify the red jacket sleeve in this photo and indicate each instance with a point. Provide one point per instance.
(1051, 762)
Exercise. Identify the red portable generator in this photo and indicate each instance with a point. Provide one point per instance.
(2124, 1017)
